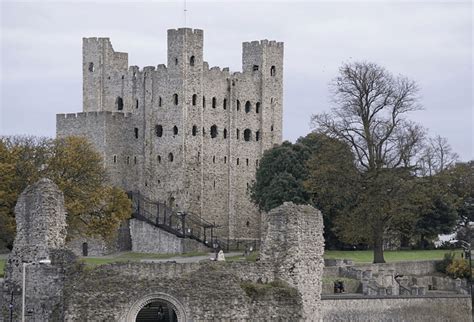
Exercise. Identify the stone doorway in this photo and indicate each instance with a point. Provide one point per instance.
(157, 307)
(158, 311)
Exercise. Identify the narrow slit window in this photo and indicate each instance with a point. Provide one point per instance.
(91, 67)
(194, 130)
(225, 133)
(135, 160)
(237, 132)
(115, 159)
(214, 102)
(257, 107)
(158, 158)
(238, 105)
(192, 60)
(135, 130)
(175, 99)
(247, 162)
(159, 101)
(272, 71)
(214, 159)
(203, 102)
(170, 157)
(224, 104)
(175, 130)
(257, 135)
(136, 103)
(225, 159)
(238, 161)
(194, 99)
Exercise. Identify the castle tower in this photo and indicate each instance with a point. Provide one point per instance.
(184, 134)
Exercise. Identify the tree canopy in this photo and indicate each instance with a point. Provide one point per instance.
(93, 207)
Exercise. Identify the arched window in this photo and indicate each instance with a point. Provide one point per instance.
(159, 130)
(170, 157)
(213, 131)
(247, 134)
(214, 102)
(191, 61)
(225, 133)
(91, 67)
(119, 103)
(136, 103)
(175, 99)
(224, 103)
(237, 133)
(194, 99)
(272, 71)
(194, 130)
(257, 135)
(159, 101)
(257, 107)
(175, 130)
(247, 106)
(136, 132)
(203, 101)
(238, 105)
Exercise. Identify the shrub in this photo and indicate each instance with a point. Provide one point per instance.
(443, 265)
(459, 268)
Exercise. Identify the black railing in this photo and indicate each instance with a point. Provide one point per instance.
(182, 224)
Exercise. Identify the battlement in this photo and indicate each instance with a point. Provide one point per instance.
(263, 43)
(83, 115)
(179, 31)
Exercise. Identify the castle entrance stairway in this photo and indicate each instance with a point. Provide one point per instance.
(179, 223)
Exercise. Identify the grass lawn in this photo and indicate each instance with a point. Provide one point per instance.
(366, 256)
(358, 256)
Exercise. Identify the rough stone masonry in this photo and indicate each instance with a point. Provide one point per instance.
(284, 285)
(184, 134)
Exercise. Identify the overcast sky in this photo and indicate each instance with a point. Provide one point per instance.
(428, 41)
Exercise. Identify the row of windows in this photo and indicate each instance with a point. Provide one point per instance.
(248, 105)
(213, 131)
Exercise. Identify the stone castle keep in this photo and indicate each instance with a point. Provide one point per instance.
(184, 134)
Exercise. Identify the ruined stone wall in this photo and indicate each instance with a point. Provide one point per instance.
(41, 232)
(294, 245)
(440, 308)
(189, 168)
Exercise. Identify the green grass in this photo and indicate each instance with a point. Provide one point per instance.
(133, 257)
(366, 256)
(2, 266)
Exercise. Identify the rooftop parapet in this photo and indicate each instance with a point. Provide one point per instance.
(263, 43)
(84, 115)
(196, 32)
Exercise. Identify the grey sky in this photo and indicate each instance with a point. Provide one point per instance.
(430, 42)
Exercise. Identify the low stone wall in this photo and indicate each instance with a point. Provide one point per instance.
(94, 246)
(149, 239)
(402, 268)
(429, 308)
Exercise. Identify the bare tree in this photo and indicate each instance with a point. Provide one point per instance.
(436, 156)
(369, 114)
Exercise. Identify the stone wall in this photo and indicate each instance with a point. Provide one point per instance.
(178, 134)
(150, 239)
(441, 308)
(294, 245)
(41, 232)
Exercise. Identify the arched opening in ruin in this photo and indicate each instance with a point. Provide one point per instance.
(157, 311)
(157, 307)
(85, 249)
